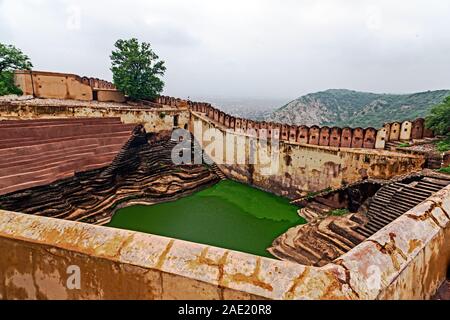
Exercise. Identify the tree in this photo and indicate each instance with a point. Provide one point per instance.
(439, 117)
(11, 59)
(137, 69)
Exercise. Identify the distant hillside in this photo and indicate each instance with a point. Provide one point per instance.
(340, 107)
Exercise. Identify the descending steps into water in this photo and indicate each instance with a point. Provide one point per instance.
(219, 172)
(394, 199)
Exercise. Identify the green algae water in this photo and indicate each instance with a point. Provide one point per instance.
(229, 215)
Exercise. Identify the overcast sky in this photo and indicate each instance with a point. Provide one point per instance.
(245, 48)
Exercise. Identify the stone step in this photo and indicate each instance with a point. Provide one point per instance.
(308, 214)
(364, 232)
(55, 144)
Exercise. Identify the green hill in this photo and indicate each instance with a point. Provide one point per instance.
(341, 107)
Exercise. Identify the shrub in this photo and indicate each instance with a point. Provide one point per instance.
(11, 59)
(439, 117)
(339, 212)
(443, 145)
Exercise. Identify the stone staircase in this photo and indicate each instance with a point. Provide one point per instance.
(326, 237)
(318, 242)
(434, 161)
(394, 199)
(393, 144)
(38, 152)
(314, 210)
(214, 167)
(219, 172)
(139, 172)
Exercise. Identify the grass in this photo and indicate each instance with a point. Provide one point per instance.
(313, 194)
(339, 212)
(443, 145)
(444, 170)
(403, 145)
(229, 214)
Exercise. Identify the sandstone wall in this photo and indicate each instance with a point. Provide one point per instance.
(154, 119)
(109, 95)
(407, 259)
(42, 84)
(305, 168)
(368, 138)
(411, 255)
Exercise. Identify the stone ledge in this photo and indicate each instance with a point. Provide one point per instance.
(336, 150)
(225, 269)
(410, 256)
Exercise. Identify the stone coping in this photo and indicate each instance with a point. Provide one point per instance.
(61, 103)
(352, 276)
(259, 276)
(368, 271)
(418, 240)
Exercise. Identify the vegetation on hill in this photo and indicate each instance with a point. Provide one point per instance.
(439, 121)
(443, 145)
(136, 69)
(11, 58)
(341, 107)
(445, 170)
(439, 117)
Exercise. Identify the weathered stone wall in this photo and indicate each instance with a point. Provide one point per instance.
(411, 255)
(109, 95)
(305, 168)
(407, 259)
(154, 119)
(53, 85)
(121, 264)
(368, 138)
(42, 84)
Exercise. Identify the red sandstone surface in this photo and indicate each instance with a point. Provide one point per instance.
(38, 152)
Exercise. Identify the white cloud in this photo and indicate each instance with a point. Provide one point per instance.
(246, 48)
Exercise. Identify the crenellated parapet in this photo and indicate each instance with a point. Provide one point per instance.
(56, 85)
(174, 102)
(97, 83)
(407, 130)
(346, 137)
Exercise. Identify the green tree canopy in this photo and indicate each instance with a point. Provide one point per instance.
(11, 59)
(136, 69)
(439, 117)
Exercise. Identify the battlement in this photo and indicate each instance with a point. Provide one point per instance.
(346, 137)
(44, 84)
(54, 85)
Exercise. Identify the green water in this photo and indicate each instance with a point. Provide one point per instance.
(229, 215)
